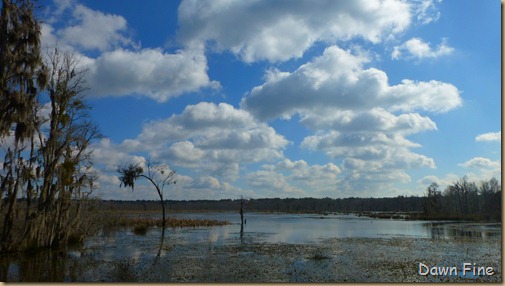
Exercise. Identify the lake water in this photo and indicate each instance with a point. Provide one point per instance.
(88, 261)
(303, 228)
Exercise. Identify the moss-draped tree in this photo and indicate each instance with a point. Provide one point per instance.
(22, 76)
(45, 132)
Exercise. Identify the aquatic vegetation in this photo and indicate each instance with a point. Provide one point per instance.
(170, 222)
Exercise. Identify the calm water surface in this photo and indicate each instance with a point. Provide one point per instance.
(303, 228)
(76, 264)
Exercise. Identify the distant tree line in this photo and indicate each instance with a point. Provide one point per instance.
(465, 199)
(461, 200)
(288, 205)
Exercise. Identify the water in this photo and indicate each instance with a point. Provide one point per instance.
(304, 228)
(115, 248)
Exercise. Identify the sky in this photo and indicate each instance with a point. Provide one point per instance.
(288, 99)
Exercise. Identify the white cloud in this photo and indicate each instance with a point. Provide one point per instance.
(442, 182)
(279, 31)
(306, 174)
(149, 72)
(426, 10)
(418, 49)
(94, 30)
(337, 80)
(213, 142)
(214, 139)
(357, 117)
(482, 169)
(480, 162)
(477, 169)
(375, 119)
(491, 136)
(206, 187)
(273, 184)
(298, 178)
(379, 150)
(119, 69)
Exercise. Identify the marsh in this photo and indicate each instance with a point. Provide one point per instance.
(273, 248)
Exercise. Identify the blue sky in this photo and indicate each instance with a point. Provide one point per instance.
(288, 99)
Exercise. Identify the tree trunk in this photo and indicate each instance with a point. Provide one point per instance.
(163, 210)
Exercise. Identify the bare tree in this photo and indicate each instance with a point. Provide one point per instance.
(160, 176)
(243, 204)
(433, 199)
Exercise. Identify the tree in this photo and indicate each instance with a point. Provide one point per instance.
(48, 168)
(22, 72)
(63, 155)
(463, 193)
(490, 193)
(22, 75)
(49, 160)
(243, 204)
(433, 200)
(160, 176)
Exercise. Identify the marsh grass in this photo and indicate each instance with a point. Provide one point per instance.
(111, 221)
(91, 221)
(170, 222)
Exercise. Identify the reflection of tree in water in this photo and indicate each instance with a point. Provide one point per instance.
(42, 266)
(441, 230)
(243, 221)
(161, 244)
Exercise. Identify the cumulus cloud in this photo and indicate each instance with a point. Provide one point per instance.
(375, 119)
(356, 115)
(207, 137)
(476, 169)
(279, 31)
(121, 67)
(301, 171)
(94, 30)
(214, 142)
(489, 137)
(442, 182)
(480, 162)
(370, 160)
(418, 49)
(383, 149)
(207, 187)
(480, 168)
(288, 178)
(338, 80)
(149, 72)
(273, 184)
(358, 119)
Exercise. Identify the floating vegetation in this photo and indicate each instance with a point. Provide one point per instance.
(170, 222)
